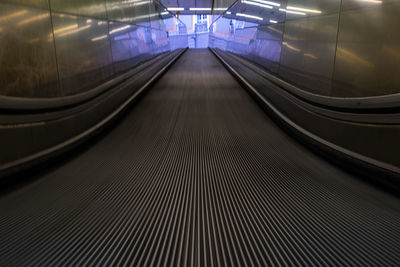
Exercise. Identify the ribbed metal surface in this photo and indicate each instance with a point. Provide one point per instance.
(197, 175)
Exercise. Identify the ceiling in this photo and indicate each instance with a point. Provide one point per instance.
(187, 4)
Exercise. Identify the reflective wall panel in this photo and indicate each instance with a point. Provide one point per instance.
(339, 48)
(265, 48)
(142, 14)
(31, 3)
(130, 45)
(83, 52)
(90, 8)
(121, 10)
(308, 49)
(368, 52)
(27, 54)
(220, 6)
(55, 48)
(155, 15)
(161, 41)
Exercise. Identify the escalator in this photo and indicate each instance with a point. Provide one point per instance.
(197, 174)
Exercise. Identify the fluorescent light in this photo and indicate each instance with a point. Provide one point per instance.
(67, 28)
(200, 9)
(248, 16)
(220, 8)
(32, 19)
(120, 29)
(164, 13)
(74, 31)
(228, 12)
(12, 15)
(175, 8)
(292, 12)
(273, 21)
(310, 56)
(304, 9)
(291, 47)
(256, 4)
(267, 2)
(99, 38)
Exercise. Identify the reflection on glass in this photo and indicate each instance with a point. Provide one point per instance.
(304, 43)
(79, 44)
(368, 49)
(306, 10)
(249, 16)
(27, 62)
(256, 4)
(12, 15)
(292, 12)
(294, 39)
(91, 8)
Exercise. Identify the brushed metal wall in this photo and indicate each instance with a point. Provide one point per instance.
(27, 54)
(339, 48)
(368, 51)
(55, 48)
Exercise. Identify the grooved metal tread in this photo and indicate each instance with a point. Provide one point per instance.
(196, 174)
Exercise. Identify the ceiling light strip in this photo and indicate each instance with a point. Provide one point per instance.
(175, 8)
(248, 16)
(200, 9)
(256, 4)
(267, 3)
(304, 9)
(292, 12)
